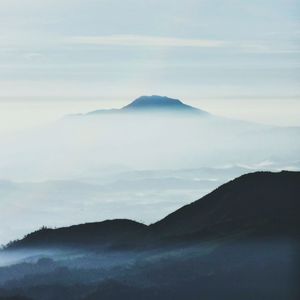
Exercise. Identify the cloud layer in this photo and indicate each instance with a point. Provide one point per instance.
(139, 40)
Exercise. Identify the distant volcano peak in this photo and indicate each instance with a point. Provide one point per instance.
(156, 102)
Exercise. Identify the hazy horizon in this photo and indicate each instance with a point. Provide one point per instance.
(17, 114)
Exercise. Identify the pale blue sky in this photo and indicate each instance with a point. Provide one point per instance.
(113, 50)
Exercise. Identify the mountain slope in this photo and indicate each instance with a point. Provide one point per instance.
(253, 201)
(263, 202)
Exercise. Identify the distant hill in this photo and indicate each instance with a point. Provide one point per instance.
(261, 203)
(156, 104)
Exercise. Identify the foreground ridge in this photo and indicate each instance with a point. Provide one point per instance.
(260, 203)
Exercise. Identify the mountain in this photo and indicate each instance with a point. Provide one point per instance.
(239, 242)
(160, 139)
(261, 203)
(156, 104)
(159, 103)
(118, 232)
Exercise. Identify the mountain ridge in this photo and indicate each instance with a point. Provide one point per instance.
(260, 202)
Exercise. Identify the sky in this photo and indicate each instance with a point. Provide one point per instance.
(235, 58)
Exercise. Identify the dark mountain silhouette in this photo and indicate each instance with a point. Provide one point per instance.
(156, 104)
(180, 257)
(118, 232)
(261, 203)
